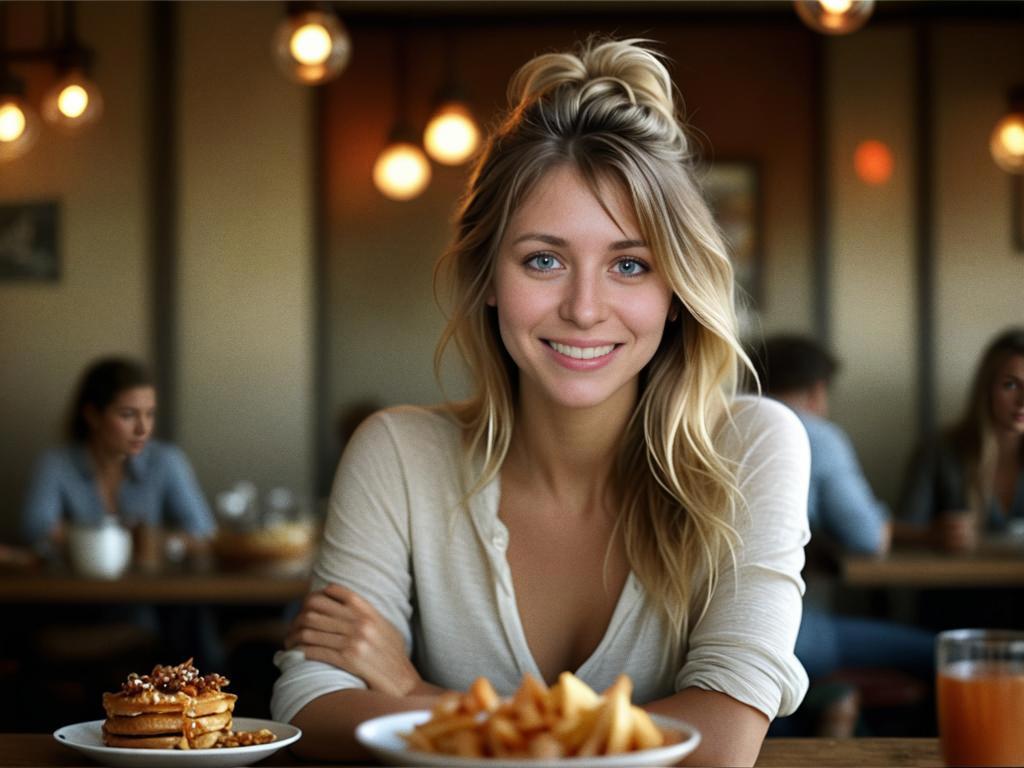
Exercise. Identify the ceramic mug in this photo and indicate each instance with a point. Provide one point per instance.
(100, 552)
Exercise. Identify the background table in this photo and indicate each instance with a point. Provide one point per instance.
(208, 584)
(988, 567)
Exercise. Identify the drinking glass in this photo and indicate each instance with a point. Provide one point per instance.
(981, 696)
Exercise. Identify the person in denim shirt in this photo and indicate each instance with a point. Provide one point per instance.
(111, 467)
(844, 517)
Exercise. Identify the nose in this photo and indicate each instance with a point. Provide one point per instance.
(585, 303)
(142, 426)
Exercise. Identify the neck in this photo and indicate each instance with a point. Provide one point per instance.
(1008, 444)
(105, 460)
(570, 452)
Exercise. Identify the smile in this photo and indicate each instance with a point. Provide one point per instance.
(582, 353)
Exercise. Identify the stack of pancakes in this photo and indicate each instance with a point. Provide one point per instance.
(171, 708)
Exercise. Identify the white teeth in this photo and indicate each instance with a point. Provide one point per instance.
(581, 353)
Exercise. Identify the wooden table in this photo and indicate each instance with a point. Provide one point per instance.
(988, 567)
(39, 749)
(205, 584)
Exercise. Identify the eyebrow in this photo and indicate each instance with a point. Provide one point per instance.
(618, 245)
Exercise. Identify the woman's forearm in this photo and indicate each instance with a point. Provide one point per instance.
(731, 732)
(329, 722)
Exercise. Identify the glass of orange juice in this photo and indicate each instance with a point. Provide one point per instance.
(980, 690)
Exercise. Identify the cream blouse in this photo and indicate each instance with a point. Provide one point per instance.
(396, 535)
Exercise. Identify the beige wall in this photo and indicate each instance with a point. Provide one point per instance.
(49, 331)
(246, 229)
(871, 96)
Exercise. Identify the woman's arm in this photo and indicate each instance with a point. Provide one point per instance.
(731, 732)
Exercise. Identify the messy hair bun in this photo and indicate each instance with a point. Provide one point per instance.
(617, 84)
(608, 112)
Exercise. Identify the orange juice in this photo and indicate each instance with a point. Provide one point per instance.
(981, 712)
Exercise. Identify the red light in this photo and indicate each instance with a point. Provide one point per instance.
(873, 162)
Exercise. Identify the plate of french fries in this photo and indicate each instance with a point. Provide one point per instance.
(566, 724)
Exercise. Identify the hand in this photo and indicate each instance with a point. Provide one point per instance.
(337, 626)
(957, 531)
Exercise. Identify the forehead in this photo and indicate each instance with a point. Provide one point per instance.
(563, 200)
(136, 397)
(1013, 365)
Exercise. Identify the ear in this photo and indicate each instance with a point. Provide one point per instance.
(492, 300)
(673, 310)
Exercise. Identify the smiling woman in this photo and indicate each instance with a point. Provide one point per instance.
(603, 503)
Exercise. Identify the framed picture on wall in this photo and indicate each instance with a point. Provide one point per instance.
(29, 242)
(733, 191)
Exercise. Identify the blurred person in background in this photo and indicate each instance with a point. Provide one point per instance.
(969, 479)
(845, 517)
(111, 467)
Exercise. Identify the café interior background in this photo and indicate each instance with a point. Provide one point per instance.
(297, 289)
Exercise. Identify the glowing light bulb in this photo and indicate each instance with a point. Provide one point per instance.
(12, 122)
(452, 135)
(310, 44)
(18, 127)
(836, 6)
(311, 47)
(834, 17)
(402, 171)
(1007, 143)
(73, 101)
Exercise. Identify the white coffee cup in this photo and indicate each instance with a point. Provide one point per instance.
(100, 552)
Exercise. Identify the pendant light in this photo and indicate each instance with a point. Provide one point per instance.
(311, 45)
(19, 125)
(834, 17)
(1007, 141)
(402, 170)
(74, 100)
(452, 134)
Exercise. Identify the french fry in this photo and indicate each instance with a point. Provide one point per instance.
(646, 735)
(484, 694)
(574, 695)
(620, 718)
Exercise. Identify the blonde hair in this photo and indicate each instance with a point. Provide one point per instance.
(608, 111)
(973, 437)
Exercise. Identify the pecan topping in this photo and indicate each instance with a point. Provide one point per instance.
(166, 679)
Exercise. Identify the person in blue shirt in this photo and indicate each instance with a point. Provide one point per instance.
(844, 517)
(111, 466)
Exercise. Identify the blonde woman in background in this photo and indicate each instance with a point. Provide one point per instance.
(971, 479)
(604, 503)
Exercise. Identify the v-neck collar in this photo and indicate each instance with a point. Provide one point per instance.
(494, 537)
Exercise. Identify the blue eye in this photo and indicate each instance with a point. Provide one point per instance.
(631, 267)
(543, 262)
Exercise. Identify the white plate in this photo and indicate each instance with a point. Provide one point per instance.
(87, 738)
(382, 736)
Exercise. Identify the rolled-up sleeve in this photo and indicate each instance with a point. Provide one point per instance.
(742, 645)
(365, 548)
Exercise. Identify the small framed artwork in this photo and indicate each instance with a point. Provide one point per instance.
(29, 241)
(733, 190)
